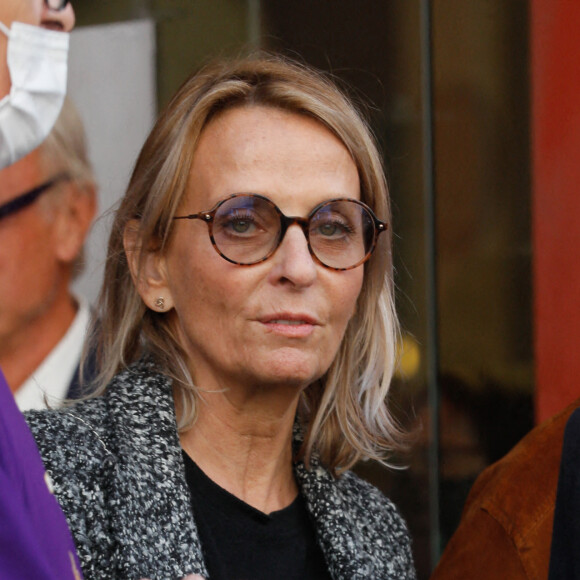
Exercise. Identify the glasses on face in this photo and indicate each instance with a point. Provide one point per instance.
(28, 198)
(56, 4)
(246, 229)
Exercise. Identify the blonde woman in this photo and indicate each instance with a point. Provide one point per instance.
(246, 345)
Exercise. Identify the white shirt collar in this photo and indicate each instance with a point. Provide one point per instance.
(49, 383)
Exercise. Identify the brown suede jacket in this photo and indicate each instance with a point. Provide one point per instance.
(506, 526)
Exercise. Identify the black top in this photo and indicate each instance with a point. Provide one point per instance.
(565, 553)
(242, 543)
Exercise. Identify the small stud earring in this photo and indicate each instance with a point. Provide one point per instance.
(160, 303)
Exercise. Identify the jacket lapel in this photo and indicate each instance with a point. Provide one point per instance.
(336, 528)
(150, 507)
(152, 519)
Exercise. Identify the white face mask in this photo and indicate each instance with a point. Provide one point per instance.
(37, 62)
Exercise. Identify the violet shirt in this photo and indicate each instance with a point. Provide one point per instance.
(35, 542)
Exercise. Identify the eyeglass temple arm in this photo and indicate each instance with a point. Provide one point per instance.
(204, 215)
(28, 198)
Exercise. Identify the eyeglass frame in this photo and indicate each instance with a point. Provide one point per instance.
(285, 222)
(27, 198)
(62, 5)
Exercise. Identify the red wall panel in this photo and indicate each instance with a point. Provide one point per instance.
(555, 72)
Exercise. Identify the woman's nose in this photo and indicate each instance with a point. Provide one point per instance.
(292, 261)
(63, 20)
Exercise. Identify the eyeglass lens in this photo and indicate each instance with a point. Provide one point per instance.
(247, 229)
(56, 4)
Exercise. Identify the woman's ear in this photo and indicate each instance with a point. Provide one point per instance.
(148, 270)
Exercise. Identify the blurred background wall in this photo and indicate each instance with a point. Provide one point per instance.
(500, 286)
(556, 160)
(112, 80)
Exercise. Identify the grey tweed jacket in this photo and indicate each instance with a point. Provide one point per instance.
(118, 474)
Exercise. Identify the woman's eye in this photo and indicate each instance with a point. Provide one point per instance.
(241, 226)
(328, 229)
(243, 223)
(333, 229)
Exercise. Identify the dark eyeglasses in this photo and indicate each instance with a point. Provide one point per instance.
(246, 229)
(56, 4)
(29, 197)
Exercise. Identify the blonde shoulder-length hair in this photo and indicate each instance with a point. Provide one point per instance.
(344, 415)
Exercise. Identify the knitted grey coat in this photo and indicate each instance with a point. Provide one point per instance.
(118, 474)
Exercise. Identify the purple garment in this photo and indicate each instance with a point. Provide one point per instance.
(35, 542)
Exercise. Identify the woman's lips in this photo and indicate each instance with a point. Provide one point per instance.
(290, 325)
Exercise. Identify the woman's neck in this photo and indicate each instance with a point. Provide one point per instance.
(245, 446)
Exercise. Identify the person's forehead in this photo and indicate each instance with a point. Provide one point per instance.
(20, 177)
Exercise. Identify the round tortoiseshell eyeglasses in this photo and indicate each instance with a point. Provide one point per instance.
(248, 228)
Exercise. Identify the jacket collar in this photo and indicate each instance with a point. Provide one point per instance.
(334, 521)
(152, 518)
